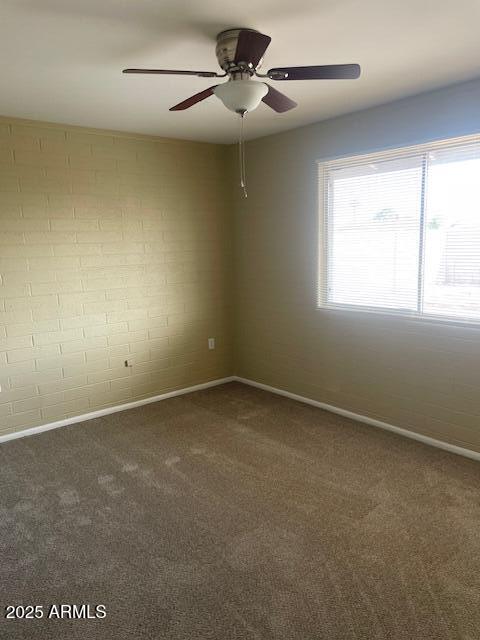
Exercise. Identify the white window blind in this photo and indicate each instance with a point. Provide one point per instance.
(400, 231)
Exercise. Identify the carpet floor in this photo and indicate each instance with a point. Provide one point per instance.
(235, 514)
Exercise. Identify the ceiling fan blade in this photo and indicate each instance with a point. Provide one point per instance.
(171, 72)
(322, 72)
(278, 101)
(251, 46)
(189, 102)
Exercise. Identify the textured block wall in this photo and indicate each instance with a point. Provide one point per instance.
(111, 247)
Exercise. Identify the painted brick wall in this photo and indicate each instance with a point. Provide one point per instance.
(112, 246)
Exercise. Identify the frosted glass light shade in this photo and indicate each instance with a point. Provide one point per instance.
(241, 95)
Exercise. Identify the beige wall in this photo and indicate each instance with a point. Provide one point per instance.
(420, 376)
(111, 247)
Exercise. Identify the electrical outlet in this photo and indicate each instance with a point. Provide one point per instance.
(211, 343)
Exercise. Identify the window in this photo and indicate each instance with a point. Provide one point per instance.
(400, 231)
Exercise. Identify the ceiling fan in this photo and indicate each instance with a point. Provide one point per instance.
(239, 53)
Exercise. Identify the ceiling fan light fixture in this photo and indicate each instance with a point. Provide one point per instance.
(241, 96)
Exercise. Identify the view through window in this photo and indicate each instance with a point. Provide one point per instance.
(401, 231)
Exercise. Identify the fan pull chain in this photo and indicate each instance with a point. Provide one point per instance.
(241, 156)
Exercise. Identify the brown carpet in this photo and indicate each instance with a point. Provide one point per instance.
(232, 513)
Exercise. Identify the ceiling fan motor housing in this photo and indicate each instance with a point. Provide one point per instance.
(226, 49)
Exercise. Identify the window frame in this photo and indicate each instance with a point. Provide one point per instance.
(324, 215)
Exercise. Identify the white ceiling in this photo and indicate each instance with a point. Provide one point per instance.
(61, 60)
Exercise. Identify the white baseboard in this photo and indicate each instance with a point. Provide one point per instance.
(105, 412)
(467, 453)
